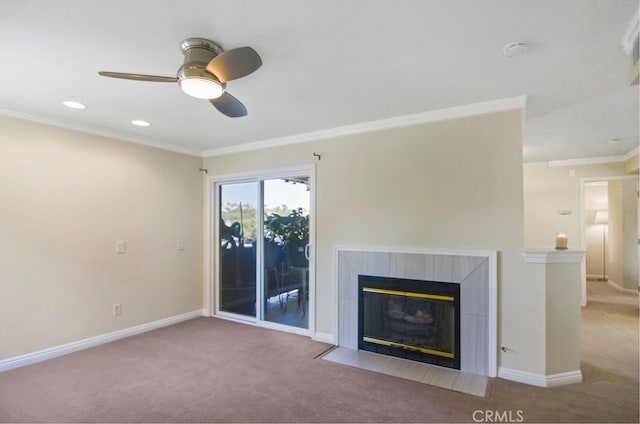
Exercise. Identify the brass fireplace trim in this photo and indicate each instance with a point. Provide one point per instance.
(409, 294)
(409, 347)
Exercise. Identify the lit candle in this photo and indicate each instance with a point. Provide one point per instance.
(561, 241)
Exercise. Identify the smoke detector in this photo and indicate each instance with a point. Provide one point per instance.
(515, 49)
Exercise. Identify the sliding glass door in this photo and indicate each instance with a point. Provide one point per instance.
(286, 251)
(262, 249)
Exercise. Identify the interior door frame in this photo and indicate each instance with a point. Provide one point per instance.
(211, 265)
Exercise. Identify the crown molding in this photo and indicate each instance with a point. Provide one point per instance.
(492, 106)
(631, 34)
(595, 161)
(631, 153)
(102, 132)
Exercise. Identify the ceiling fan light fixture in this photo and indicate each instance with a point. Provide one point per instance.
(205, 72)
(197, 82)
(202, 88)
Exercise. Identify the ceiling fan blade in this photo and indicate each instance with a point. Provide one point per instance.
(234, 63)
(138, 77)
(229, 105)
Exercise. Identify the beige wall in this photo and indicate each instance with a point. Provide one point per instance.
(631, 265)
(451, 184)
(550, 189)
(622, 260)
(632, 165)
(615, 247)
(65, 199)
(562, 317)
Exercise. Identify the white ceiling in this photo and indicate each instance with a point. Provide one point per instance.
(326, 64)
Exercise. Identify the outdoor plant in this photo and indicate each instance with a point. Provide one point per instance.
(291, 232)
(289, 229)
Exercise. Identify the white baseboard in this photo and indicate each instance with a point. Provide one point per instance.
(552, 380)
(564, 378)
(612, 283)
(54, 352)
(324, 338)
(622, 289)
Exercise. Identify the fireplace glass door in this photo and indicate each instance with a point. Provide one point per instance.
(410, 319)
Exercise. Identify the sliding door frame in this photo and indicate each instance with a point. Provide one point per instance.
(212, 248)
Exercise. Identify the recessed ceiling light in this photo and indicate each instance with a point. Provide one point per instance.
(140, 123)
(73, 104)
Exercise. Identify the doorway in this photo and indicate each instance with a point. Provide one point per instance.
(261, 249)
(610, 287)
(610, 231)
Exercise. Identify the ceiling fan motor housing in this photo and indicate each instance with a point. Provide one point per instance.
(198, 52)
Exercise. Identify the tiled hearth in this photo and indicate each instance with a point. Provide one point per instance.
(475, 271)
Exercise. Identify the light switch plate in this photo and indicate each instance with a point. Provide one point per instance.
(180, 245)
(121, 247)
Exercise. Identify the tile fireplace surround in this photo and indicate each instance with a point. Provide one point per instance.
(475, 271)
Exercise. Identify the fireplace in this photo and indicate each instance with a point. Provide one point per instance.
(412, 319)
(475, 272)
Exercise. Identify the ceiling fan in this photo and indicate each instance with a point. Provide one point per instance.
(205, 72)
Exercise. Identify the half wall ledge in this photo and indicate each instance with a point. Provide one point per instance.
(561, 278)
(553, 256)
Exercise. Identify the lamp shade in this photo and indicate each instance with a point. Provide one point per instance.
(602, 217)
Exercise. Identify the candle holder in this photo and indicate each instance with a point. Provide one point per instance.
(562, 241)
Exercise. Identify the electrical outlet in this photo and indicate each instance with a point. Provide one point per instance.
(117, 309)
